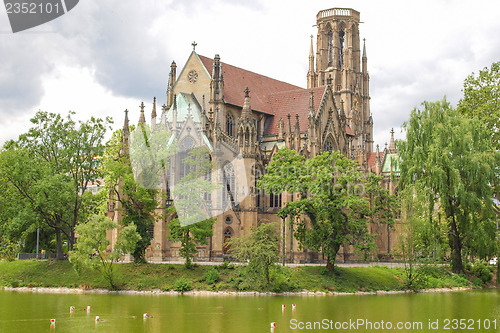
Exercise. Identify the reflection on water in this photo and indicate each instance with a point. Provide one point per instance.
(31, 312)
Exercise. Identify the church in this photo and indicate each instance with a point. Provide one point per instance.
(244, 118)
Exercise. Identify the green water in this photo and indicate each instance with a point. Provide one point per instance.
(31, 312)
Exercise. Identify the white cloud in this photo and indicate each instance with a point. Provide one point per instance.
(118, 52)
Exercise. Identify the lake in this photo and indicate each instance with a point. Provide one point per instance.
(477, 311)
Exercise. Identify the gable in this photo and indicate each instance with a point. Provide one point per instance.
(201, 86)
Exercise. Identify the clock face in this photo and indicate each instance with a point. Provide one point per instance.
(192, 76)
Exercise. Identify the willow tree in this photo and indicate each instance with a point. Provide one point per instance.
(332, 197)
(451, 158)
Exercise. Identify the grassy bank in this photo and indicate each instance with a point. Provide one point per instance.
(223, 277)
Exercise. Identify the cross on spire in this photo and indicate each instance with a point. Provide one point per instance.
(194, 46)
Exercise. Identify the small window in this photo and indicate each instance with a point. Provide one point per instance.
(229, 124)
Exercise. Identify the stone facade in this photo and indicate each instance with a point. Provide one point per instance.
(243, 118)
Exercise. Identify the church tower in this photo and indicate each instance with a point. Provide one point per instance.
(340, 63)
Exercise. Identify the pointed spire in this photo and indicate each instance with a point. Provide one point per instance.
(153, 114)
(289, 124)
(311, 51)
(342, 111)
(392, 146)
(364, 47)
(172, 76)
(142, 118)
(281, 126)
(163, 120)
(126, 130)
(297, 124)
(246, 111)
(311, 112)
(311, 74)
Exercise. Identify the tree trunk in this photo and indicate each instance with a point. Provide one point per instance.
(330, 266)
(59, 253)
(455, 246)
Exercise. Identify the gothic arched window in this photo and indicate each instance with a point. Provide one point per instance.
(229, 124)
(187, 144)
(330, 48)
(228, 192)
(341, 47)
(328, 145)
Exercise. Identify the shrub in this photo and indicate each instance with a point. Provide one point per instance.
(182, 285)
(482, 271)
(212, 276)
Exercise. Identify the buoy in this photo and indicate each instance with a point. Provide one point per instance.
(145, 316)
(88, 308)
(71, 309)
(293, 306)
(273, 325)
(97, 318)
(283, 306)
(52, 321)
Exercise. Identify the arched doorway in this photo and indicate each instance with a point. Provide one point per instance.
(228, 233)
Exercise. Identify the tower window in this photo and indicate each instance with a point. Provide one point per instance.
(330, 48)
(341, 47)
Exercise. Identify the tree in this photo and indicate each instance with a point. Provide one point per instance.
(260, 247)
(332, 198)
(451, 158)
(482, 100)
(51, 165)
(191, 224)
(92, 247)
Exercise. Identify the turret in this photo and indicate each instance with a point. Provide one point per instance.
(392, 146)
(311, 74)
(153, 115)
(125, 134)
(171, 81)
(142, 118)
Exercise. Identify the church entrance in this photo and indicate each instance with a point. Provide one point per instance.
(228, 233)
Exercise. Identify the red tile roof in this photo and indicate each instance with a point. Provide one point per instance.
(371, 158)
(348, 130)
(292, 102)
(237, 79)
(269, 96)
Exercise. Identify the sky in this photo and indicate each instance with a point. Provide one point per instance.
(103, 57)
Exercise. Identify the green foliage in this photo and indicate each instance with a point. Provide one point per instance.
(450, 158)
(482, 100)
(481, 270)
(282, 280)
(9, 250)
(137, 203)
(336, 197)
(91, 249)
(260, 247)
(212, 276)
(182, 285)
(46, 171)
